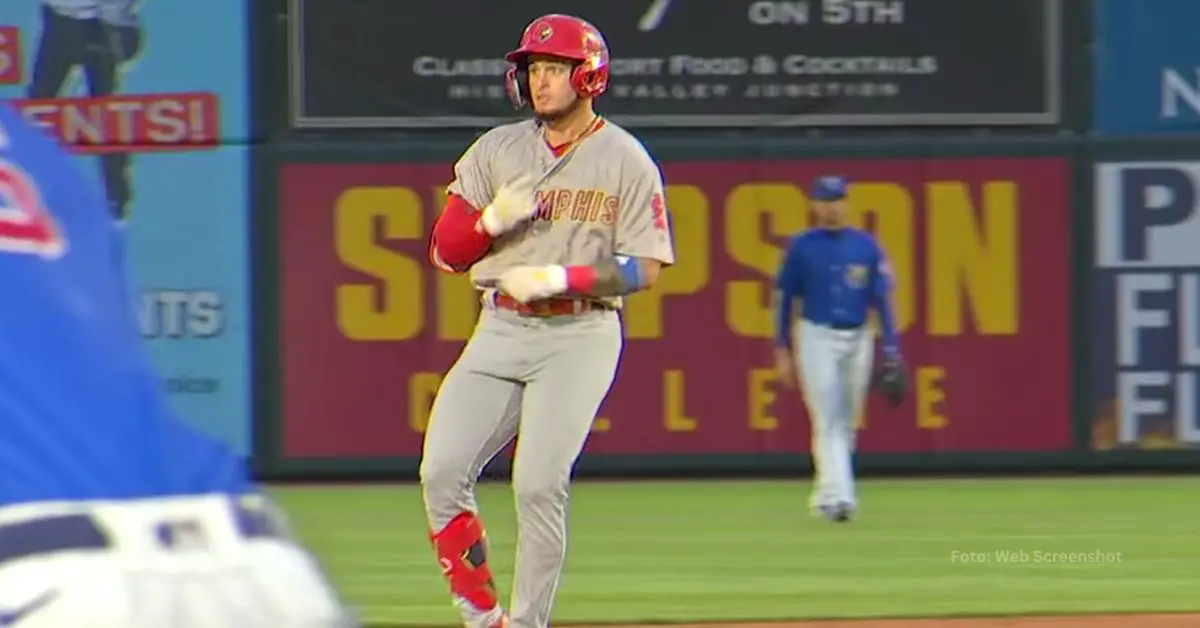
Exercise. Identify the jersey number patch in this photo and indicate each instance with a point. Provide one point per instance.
(25, 224)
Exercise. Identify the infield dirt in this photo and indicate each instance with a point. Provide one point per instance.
(1058, 621)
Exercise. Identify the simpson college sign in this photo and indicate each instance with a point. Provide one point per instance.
(970, 240)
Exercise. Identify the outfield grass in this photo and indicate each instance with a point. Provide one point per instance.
(749, 550)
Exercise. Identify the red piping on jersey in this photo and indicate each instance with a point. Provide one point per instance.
(558, 151)
(456, 243)
(561, 149)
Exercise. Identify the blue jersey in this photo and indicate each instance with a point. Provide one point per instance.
(83, 414)
(839, 275)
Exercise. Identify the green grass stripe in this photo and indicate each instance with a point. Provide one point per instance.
(704, 551)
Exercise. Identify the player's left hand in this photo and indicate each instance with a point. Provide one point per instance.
(532, 283)
(892, 380)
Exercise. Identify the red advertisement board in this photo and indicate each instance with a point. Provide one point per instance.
(980, 248)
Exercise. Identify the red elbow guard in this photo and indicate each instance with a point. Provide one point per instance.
(456, 243)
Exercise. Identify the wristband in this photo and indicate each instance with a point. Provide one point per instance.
(631, 274)
(618, 276)
(581, 279)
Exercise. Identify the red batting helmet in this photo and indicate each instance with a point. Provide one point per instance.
(563, 36)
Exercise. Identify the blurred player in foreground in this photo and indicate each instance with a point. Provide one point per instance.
(113, 512)
(839, 273)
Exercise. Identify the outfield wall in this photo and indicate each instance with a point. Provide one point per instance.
(1033, 179)
(998, 297)
(1049, 279)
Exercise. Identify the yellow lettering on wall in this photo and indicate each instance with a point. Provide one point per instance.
(762, 395)
(930, 396)
(748, 302)
(890, 208)
(970, 264)
(601, 424)
(690, 273)
(392, 307)
(457, 299)
(422, 389)
(675, 417)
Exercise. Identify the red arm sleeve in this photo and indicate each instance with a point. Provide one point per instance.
(455, 243)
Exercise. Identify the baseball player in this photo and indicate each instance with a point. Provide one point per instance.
(556, 219)
(838, 273)
(96, 37)
(114, 513)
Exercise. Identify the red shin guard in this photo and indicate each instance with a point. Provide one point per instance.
(461, 549)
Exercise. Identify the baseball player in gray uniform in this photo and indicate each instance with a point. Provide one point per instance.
(556, 219)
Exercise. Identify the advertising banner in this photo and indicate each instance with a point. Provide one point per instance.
(1147, 306)
(982, 299)
(152, 96)
(681, 63)
(1147, 66)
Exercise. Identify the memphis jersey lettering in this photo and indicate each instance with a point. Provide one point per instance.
(82, 414)
(578, 206)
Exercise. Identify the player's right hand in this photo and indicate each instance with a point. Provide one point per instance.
(514, 204)
(784, 367)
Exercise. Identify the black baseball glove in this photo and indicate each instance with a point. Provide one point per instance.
(892, 380)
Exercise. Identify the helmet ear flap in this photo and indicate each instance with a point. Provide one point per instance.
(516, 83)
(580, 77)
(583, 81)
(589, 79)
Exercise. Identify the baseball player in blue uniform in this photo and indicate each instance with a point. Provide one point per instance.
(113, 512)
(838, 273)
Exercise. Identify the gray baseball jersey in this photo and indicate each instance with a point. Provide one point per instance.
(540, 379)
(606, 199)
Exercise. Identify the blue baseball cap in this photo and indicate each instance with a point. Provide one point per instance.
(829, 188)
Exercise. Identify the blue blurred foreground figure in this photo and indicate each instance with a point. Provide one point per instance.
(113, 512)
